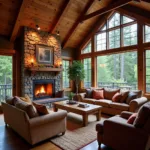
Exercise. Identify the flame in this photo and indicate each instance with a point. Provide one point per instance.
(41, 90)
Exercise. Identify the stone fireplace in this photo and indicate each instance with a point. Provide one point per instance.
(43, 89)
(31, 38)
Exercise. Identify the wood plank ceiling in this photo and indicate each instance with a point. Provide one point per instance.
(55, 15)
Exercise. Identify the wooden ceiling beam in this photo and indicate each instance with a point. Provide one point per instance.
(24, 4)
(76, 24)
(61, 14)
(101, 21)
(109, 8)
(141, 16)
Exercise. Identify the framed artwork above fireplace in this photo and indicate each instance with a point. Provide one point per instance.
(45, 54)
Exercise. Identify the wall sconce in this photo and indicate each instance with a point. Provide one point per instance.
(59, 64)
(32, 62)
(57, 32)
(37, 27)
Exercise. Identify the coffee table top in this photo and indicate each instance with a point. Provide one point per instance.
(64, 105)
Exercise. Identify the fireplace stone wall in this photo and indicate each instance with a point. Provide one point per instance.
(31, 38)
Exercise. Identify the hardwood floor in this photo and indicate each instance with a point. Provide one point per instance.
(10, 140)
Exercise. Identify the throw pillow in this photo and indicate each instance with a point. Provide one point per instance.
(117, 97)
(138, 93)
(28, 108)
(59, 94)
(10, 100)
(26, 99)
(143, 115)
(132, 118)
(109, 94)
(42, 110)
(124, 96)
(89, 93)
(130, 97)
(98, 94)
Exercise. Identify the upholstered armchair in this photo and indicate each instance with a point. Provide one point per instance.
(116, 133)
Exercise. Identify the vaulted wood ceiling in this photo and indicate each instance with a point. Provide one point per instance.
(64, 16)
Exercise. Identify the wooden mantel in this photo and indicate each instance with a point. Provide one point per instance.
(34, 69)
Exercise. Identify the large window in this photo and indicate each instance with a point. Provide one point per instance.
(87, 69)
(87, 49)
(117, 71)
(118, 31)
(130, 35)
(147, 33)
(147, 70)
(114, 38)
(101, 41)
(66, 83)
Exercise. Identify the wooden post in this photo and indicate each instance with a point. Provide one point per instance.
(140, 57)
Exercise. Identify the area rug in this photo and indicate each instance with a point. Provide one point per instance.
(76, 139)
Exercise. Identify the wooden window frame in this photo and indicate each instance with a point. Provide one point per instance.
(70, 82)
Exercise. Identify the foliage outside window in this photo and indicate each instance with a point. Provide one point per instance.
(117, 71)
(66, 82)
(87, 49)
(114, 38)
(130, 35)
(115, 20)
(147, 33)
(127, 19)
(87, 70)
(101, 41)
(147, 54)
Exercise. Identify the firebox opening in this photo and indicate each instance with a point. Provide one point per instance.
(43, 90)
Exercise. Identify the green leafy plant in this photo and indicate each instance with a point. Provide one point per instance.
(76, 73)
(70, 96)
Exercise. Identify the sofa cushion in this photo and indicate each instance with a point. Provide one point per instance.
(10, 100)
(59, 94)
(26, 98)
(143, 115)
(89, 93)
(103, 102)
(130, 97)
(98, 94)
(132, 118)
(42, 110)
(108, 94)
(28, 108)
(138, 93)
(117, 97)
(120, 106)
(89, 100)
(124, 96)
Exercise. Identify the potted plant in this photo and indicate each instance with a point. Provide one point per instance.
(70, 96)
(76, 73)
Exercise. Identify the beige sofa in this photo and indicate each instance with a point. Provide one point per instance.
(113, 108)
(35, 129)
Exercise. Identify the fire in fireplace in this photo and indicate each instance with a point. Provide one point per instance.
(43, 89)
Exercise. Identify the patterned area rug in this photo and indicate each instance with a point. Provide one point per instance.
(76, 139)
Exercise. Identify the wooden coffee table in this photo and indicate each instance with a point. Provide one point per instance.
(92, 109)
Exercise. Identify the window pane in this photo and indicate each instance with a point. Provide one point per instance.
(87, 69)
(66, 83)
(114, 21)
(147, 71)
(147, 33)
(114, 38)
(117, 71)
(127, 20)
(101, 41)
(87, 49)
(103, 28)
(130, 35)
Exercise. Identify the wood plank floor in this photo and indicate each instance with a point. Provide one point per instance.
(10, 140)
